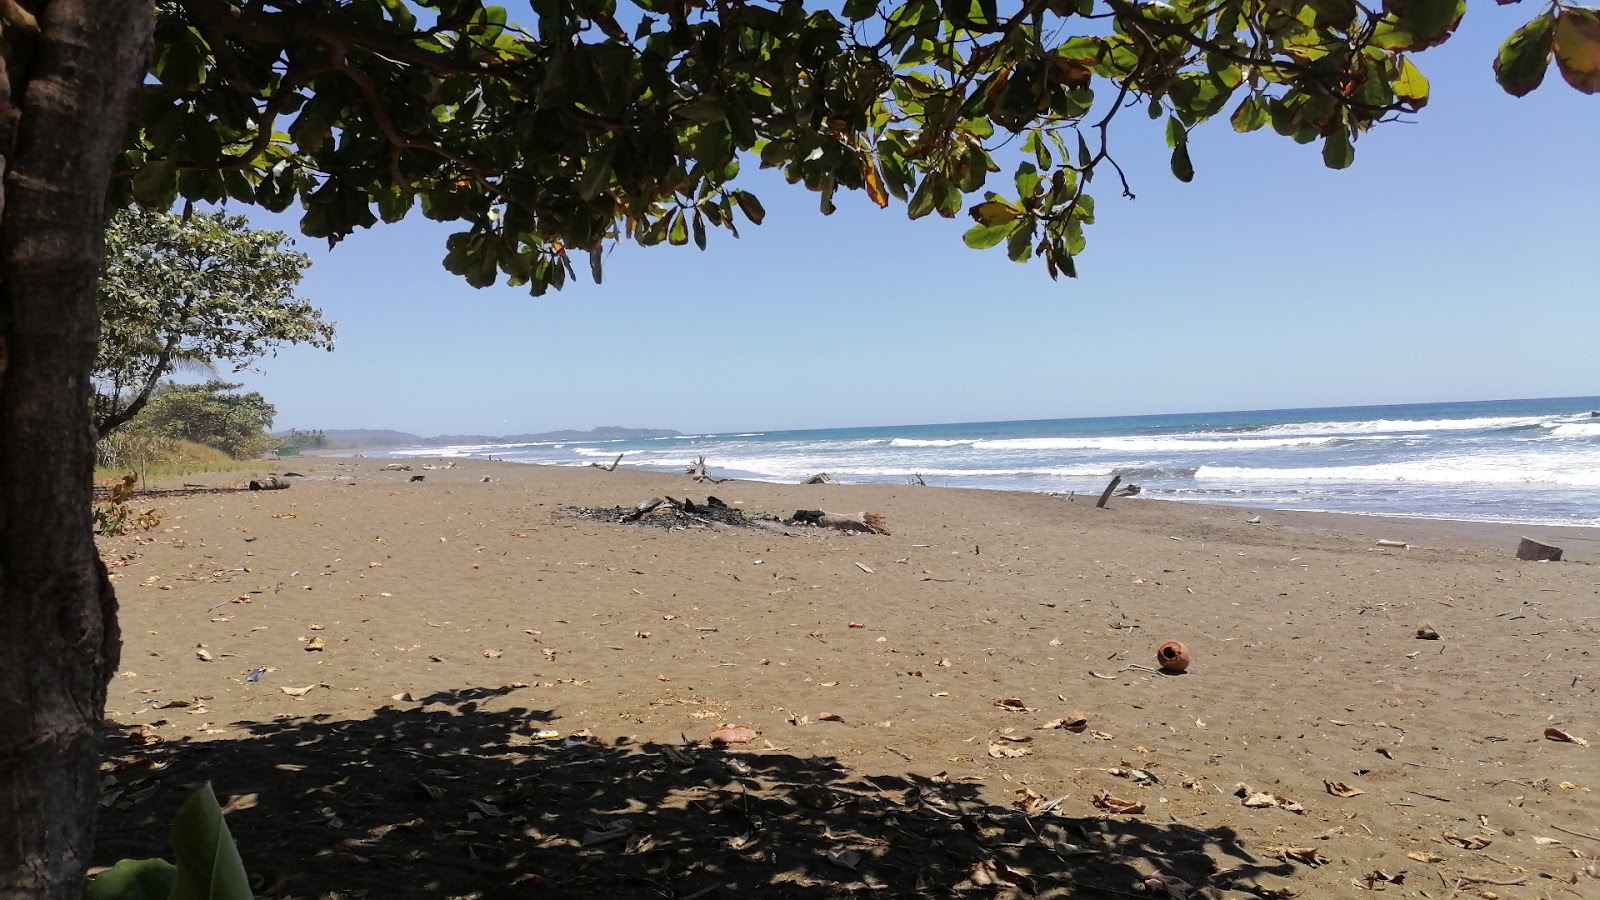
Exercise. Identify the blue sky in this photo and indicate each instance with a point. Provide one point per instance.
(1459, 259)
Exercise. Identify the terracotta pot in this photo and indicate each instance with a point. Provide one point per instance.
(1173, 656)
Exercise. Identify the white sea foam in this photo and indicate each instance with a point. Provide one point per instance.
(914, 442)
(1578, 472)
(1151, 444)
(1389, 426)
(1576, 429)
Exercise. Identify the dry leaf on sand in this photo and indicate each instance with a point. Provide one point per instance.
(314, 644)
(1008, 751)
(1467, 841)
(1014, 704)
(1105, 801)
(1421, 856)
(1340, 789)
(1307, 855)
(733, 734)
(1556, 734)
(202, 653)
(1170, 886)
(992, 872)
(299, 691)
(1074, 723)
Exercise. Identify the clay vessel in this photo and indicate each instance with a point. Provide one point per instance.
(1173, 656)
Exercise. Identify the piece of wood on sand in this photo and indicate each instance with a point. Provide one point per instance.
(1536, 551)
(1105, 495)
(821, 478)
(274, 483)
(697, 469)
(863, 522)
(605, 468)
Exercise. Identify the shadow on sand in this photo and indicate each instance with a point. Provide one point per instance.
(445, 799)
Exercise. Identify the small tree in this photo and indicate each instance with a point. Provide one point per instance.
(200, 291)
(211, 414)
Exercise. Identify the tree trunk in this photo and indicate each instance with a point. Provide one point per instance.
(65, 92)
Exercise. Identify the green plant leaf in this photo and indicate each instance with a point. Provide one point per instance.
(982, 237)
(1525, 56)
(993, 212)
(750, 206)
(1250, 116)
(133, 879)
(209, 867)
(1429, 20)
(1337, 151)
(1577, 47)
(1177, 135)
(1182, 166)
(1410, 84)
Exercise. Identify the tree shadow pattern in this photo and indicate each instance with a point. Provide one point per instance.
(446, 799)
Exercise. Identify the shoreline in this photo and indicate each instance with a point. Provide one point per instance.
(1582, 540)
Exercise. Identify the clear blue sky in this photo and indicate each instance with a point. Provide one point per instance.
(1459, 259)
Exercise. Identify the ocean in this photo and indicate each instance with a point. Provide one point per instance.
(1520, 461)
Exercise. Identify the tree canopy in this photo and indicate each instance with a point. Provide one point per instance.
(214, 413)
(203, 290)
(587, 125)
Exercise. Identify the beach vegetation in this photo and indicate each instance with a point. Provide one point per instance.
(197, 293)
(549, 143)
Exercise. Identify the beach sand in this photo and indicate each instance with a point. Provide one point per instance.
(457, 619)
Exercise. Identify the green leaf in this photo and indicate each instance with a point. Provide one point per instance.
(922, 201)
(1525, 56)
(156, 185)
(982, 237)
(1027, 180)
(133, 879)
(1177, 135)
(209, 867)
(678, 231)
(750, 206)
(993, 212)
(1429, 20)
(1410, 84)
(1020, 245)
(1337, 151)
(856, 10)
(597, 173)
(1250, 116)
(1181, 164)
(698, 230)
(1577, 46)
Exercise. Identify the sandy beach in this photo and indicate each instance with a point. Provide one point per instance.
(461, 690)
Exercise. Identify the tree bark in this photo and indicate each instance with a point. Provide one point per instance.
(65, 92)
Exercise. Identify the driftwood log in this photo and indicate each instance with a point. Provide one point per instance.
(1536, 551)
(821, 478)
(417, 478)
(395, 467)
(698, 470)
(605, 468)
(916, 481)
(1106, 495)
(863, 522)
(269, 483)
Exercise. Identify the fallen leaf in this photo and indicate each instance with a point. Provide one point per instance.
(1307, 855)
(299, 691)
(1421, 856)
(1105, 801)
(403, 698)
(1427, 633)
(992, 872)
(549, 655)
(1467, 841)
(733, 734)
(848, 859)
(1340, 789)
(1075, 723)
(1378, 876)
(1174, 887)
(1546, 842)
(314, 644)
(493, 654)
(202, 653)
(1100, 735)
(1013, 704)
(1262, 800)
(488, 809)
(1027, 800)
(1008, 751)
(829, 717)
(1556, 734)
(617, 829)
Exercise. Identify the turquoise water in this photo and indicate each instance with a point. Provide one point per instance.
(1526, 461)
